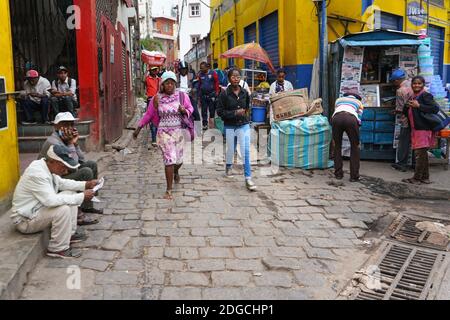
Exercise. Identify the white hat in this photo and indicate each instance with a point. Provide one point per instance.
(62, 154)
(168, 75)
(64, 116)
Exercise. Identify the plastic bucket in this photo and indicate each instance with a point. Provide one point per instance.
(259, 114)
(425, 61)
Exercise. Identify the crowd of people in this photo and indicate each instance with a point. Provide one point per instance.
(56, 190)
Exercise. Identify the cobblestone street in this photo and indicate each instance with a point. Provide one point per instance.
(296, 237)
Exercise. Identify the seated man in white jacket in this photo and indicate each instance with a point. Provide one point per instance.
(43, 199)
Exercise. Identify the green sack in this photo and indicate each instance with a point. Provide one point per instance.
(218, 122)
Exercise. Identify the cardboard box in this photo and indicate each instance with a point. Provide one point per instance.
(291, 104)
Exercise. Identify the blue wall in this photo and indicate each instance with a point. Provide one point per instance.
(365, 5)
(300, 75)
(447, 73)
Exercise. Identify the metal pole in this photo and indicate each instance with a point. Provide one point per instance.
(324, 57)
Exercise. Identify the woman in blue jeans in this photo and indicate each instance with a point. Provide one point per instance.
(233, 107)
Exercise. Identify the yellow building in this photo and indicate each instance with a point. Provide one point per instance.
(289, 29)
(9, 153)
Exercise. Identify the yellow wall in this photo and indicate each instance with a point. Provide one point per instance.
(299, 42)
(9, 157)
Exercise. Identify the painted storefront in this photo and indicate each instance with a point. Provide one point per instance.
(9, 153)
(289, 30)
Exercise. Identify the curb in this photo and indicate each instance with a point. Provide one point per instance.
(402, 190)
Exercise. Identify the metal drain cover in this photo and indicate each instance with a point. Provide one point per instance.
(406, 273)
(404, 229)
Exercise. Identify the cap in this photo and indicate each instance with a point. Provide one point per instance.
(32, 74)
(62, 154)
(397, 74)
(168, 75)
(62, 68)
(153, 68)
(64, 116)
(183, 65)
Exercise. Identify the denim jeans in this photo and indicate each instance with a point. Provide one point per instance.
(241, 134)
(153, 131)
(208, 104)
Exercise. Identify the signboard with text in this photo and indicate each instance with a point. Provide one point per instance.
(416, 13)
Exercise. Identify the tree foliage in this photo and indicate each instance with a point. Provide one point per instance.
(151, 44)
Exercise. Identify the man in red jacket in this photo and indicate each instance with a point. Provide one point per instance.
(152, 83)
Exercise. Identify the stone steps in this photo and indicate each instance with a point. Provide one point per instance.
(32, 137)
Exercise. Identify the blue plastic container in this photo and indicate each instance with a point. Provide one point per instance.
(259, 114)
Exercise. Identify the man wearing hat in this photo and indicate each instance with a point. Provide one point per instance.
(43, 199)
(404, 94)
(63, 91)
(35, 97)
(66, 135)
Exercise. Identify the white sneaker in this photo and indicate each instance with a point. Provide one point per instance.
(250, 184)
(229, 172)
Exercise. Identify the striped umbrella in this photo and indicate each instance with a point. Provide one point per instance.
(250, 51)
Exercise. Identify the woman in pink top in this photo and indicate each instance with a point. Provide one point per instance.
(422, 137)
(166, 111)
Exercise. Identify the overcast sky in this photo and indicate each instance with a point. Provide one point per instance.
(160, 5)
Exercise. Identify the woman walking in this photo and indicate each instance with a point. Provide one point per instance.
(167, 111)
(233, 108)
(422, 138)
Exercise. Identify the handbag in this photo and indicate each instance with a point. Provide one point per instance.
(187, 122)
(436, 121)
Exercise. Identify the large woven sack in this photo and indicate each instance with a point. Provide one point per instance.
(293, 104)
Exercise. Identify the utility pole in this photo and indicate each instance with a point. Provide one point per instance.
(324, 55)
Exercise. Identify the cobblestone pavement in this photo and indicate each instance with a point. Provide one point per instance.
(297, 237)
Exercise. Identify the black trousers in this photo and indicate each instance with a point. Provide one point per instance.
(346, 122)
(404, 146)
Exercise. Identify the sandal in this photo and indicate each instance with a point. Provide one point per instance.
(168, 195)
(411, 181)
(426, 181)
(92, 210)
(85, 221)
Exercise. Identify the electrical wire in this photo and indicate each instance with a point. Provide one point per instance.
(206, 4)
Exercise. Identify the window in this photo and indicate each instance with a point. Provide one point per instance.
(166, 28)
(194, 10)
(194, 39)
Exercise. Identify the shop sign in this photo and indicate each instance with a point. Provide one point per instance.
(416, 13)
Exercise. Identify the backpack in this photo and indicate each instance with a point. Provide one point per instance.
(187, 122)
(223, 81)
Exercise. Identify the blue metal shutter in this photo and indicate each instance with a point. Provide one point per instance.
(437, 36)
(268, 37)
(392, 22)
(230, 46)
(249, 37)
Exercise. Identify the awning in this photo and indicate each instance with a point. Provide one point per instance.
(404, 42)
(380, 38)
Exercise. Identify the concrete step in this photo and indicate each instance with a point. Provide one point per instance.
(34, 130)
(19, 253)
(33, 144)
(18, 256)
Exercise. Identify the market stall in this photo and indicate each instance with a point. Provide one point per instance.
(363, 63)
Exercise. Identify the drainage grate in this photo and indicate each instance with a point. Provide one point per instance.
(407, 273)
(404, 229)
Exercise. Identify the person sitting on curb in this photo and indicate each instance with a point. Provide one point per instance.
(43, 199)
(67, 135)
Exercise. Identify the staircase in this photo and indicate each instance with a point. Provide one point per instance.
(32, 137)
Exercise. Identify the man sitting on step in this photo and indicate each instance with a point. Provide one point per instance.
(43, 199)
(63, 92)
(67, 135)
